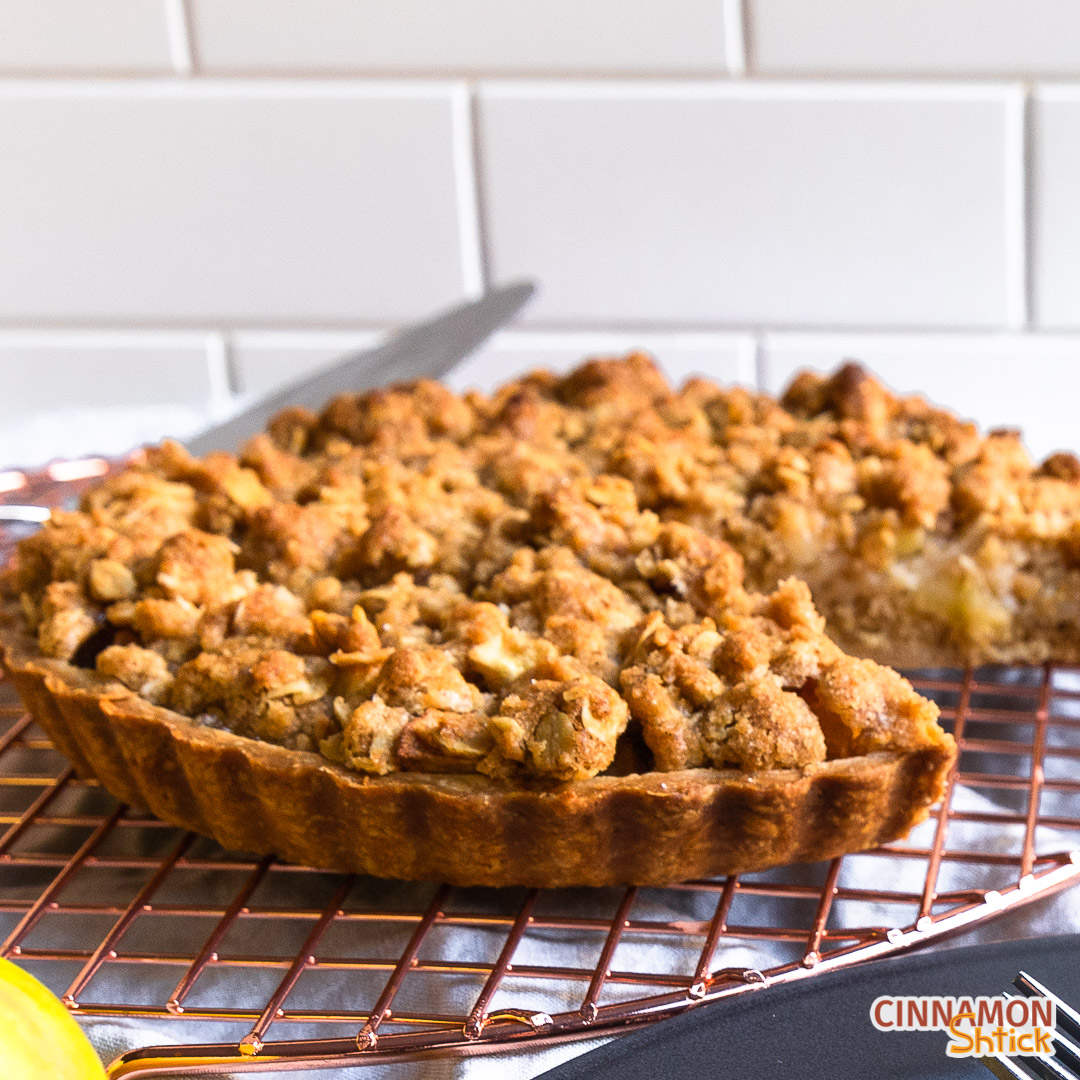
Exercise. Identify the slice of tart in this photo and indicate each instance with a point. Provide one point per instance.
(427, 636)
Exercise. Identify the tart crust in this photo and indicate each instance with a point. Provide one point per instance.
(644, 829)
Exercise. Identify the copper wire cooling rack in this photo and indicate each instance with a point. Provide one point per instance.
(257, 965)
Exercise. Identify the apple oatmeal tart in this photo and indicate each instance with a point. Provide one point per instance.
(558, 635)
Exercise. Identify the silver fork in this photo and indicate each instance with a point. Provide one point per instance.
(1065, 1062)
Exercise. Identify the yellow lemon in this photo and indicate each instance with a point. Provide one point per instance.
(39, 1039)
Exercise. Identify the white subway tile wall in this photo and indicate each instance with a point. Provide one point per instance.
(184, 202)
(1056, 207)
(202, 199)
(39, 372)
(406, 37)
(949, 38)
(53, 36)
(263, 362)
(727, 203)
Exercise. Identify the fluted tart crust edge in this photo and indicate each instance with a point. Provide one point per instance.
(646, 829)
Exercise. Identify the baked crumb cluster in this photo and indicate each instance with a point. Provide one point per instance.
(506, 585)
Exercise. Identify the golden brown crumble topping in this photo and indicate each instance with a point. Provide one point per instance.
(417, 580)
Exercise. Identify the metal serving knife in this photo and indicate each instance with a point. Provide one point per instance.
(425, 349)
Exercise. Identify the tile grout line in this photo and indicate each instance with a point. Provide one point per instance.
(172, 86)
(82, 337)
(763, 88)
(1028, 210)
(754, 349)
(309, 338)
(467, 190)
(89, 336)
(629, 88)
(482, 216)
(178, 28)
(223, 382)
(735, 40)
(1017, 311)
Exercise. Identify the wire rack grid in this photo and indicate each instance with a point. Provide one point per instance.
(258, 965)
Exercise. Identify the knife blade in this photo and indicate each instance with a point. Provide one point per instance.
(425, 349)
